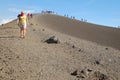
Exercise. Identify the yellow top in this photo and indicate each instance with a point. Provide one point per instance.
(23, 19)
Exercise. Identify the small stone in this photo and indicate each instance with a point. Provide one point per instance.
(73, 46)
(52, 39)
(17, 57)
(34, 30)
(31, 24)
(1, 69)
(97, 62)
(106, 48)
(89, 70)
(43, 29)
(82, 71)
(79, 50)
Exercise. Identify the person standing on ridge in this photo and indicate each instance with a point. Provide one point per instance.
(28, 15)
(31, 15)
(22, 23)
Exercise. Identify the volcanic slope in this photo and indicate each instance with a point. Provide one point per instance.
(103, 35)
(33, 58)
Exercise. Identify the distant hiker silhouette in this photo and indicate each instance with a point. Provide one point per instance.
(28, 15)
(31, 15)
(22, 23)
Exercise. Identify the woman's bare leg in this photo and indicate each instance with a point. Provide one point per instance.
(21, 32)
(24, 32)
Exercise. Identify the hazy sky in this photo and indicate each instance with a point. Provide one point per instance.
(103, 12)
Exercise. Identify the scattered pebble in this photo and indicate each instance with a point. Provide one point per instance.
(34, 30)
(97, 62)
(79, 50)
(89, 70)
(52, 40)
(43, 29)
(73, 46)
(106, 48)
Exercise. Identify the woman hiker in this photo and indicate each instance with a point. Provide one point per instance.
(22, 23)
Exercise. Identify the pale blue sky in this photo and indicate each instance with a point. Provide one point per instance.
(103, 12)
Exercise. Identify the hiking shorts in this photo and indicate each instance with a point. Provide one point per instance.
(22, 25)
